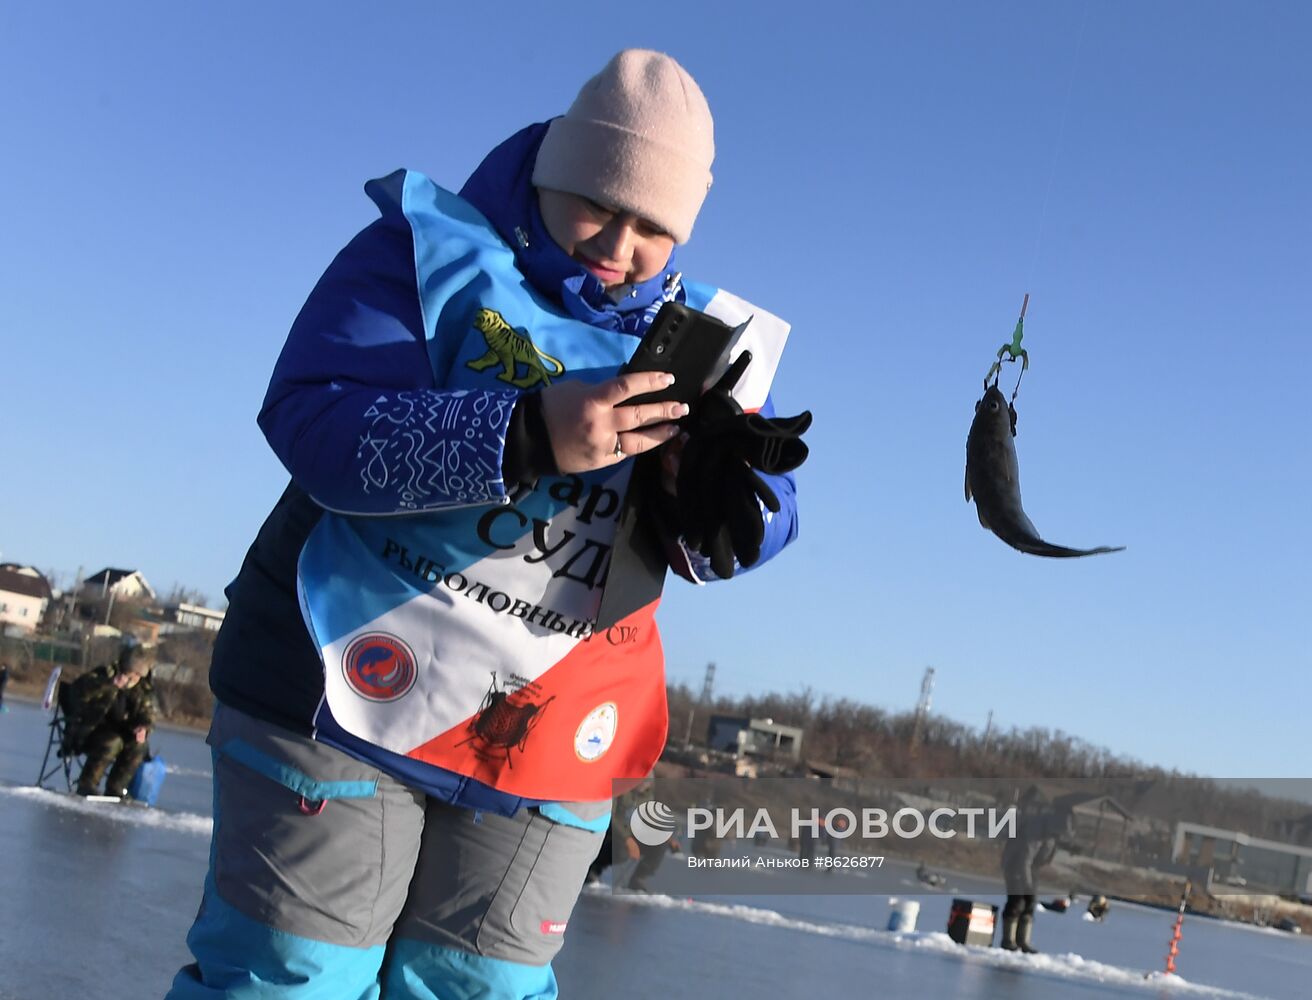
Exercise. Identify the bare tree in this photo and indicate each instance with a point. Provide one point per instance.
(191, 649)
(179, 594)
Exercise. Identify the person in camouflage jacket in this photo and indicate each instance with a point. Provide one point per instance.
(112, 710)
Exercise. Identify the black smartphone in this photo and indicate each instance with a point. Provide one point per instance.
(686, 342)
(695, 347)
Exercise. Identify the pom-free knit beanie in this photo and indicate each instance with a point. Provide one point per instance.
(638, 137)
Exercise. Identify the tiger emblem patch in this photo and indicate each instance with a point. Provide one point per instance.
(513, 349)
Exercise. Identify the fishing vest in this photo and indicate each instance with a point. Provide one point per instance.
(464, 638)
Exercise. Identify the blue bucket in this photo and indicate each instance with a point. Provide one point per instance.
(148, 780)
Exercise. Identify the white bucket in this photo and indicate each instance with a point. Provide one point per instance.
(903, 917)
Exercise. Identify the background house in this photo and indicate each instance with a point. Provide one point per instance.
(1237, 860)
(122, 584)
(24, 597)
(1102, 825)
(192, 616)
(755, 737)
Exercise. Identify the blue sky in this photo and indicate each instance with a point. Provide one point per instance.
(891, 178)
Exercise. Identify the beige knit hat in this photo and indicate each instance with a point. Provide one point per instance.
(638, 137)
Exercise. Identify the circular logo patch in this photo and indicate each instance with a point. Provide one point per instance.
(379, 667)
(597, 732)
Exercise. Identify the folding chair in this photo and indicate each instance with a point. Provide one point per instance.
(57, 695)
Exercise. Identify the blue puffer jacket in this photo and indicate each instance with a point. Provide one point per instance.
(361, 336)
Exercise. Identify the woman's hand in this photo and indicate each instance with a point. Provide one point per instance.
(590, 426)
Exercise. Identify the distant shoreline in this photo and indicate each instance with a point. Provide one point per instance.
(27, 692)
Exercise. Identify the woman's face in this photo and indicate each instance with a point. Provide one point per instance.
(617, 247)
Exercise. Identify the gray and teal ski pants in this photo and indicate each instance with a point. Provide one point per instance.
(329, 880)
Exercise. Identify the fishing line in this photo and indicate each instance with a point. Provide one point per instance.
(1013, 349)
(1056, 146)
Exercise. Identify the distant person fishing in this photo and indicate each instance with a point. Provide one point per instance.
(1039, 830)
(112, 710)
(1099, 908)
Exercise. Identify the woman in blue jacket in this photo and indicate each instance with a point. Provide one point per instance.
(419, 720)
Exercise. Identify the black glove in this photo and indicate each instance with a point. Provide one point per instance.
(720, 491)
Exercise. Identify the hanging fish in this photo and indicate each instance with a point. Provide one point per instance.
(993, 480)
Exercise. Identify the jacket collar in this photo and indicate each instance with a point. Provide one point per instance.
(502, 189)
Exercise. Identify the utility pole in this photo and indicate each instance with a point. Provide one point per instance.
(922, 710)
(72, 621)
(71, 606)
(708, 685)
(988, 731)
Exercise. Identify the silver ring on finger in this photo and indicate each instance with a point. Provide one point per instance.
(619, 450)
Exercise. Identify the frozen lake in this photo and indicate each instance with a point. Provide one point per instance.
(95, 901)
